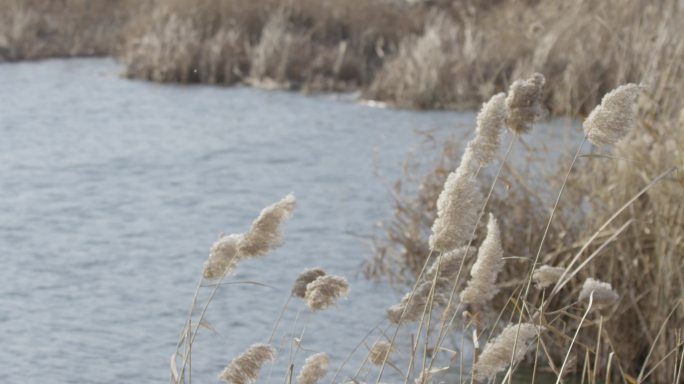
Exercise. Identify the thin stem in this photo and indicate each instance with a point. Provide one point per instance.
(349, 355)
(567, 355)
(280, 316)
(201, 316)
(541, 243)
(403, 312)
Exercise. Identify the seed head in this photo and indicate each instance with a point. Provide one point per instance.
(324, 291)
(524, 103)
(457, 209)
(304, 278)
(482, 284)
(490, 122)
(264, 235)
(222, 257)
(315, 367)
(244, 369)
(497, 354)
(603, 293)
(379, 352)
(614, 117)
(547, 275)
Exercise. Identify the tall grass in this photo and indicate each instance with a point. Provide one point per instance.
(312, 44)
(607, 302)
(36, 29)
(619, 217)
(584, 49)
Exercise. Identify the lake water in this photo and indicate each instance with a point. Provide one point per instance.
(112, 192)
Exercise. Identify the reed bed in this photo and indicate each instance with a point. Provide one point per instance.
(302, 44)
(615, 233)
(606, 304)
(437, 54)
(36, 29)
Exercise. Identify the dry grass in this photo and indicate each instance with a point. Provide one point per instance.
(312, 44)
(583, 48)
(36, 29)
(641, 248)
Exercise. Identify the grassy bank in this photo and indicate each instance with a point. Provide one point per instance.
(426, 55)
(36, 29)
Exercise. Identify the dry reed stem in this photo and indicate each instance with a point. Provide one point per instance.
(446, 266)
(413, 304)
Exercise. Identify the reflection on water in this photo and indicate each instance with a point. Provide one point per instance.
(112, 191)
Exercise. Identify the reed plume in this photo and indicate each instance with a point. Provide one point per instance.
(614, 117)
(490, 122)
(457, 209)
(315, 367)
(264, 235)
(604, 295)
(482, 284)
(497, 354)
(413, 307)
(524, 103)
(380, 352)
(244, 369)
(324, 291)
(222, 257)
(448, 264)
(547, 275)
(304, 278)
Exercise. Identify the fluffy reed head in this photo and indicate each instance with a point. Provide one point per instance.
(547, 275)
(324, 291)
(244, 369)
(497, 354)
(490, 122)
(614, 117)
(524, 103)
(315, 367)
(448, 263)
(457, 210)
(304, 278)
(222, 257)
(379, 352)
(264, 235)
(412, 307)
(603, 293)
(482, 284)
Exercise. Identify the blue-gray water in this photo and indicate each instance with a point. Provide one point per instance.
(112, 191)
